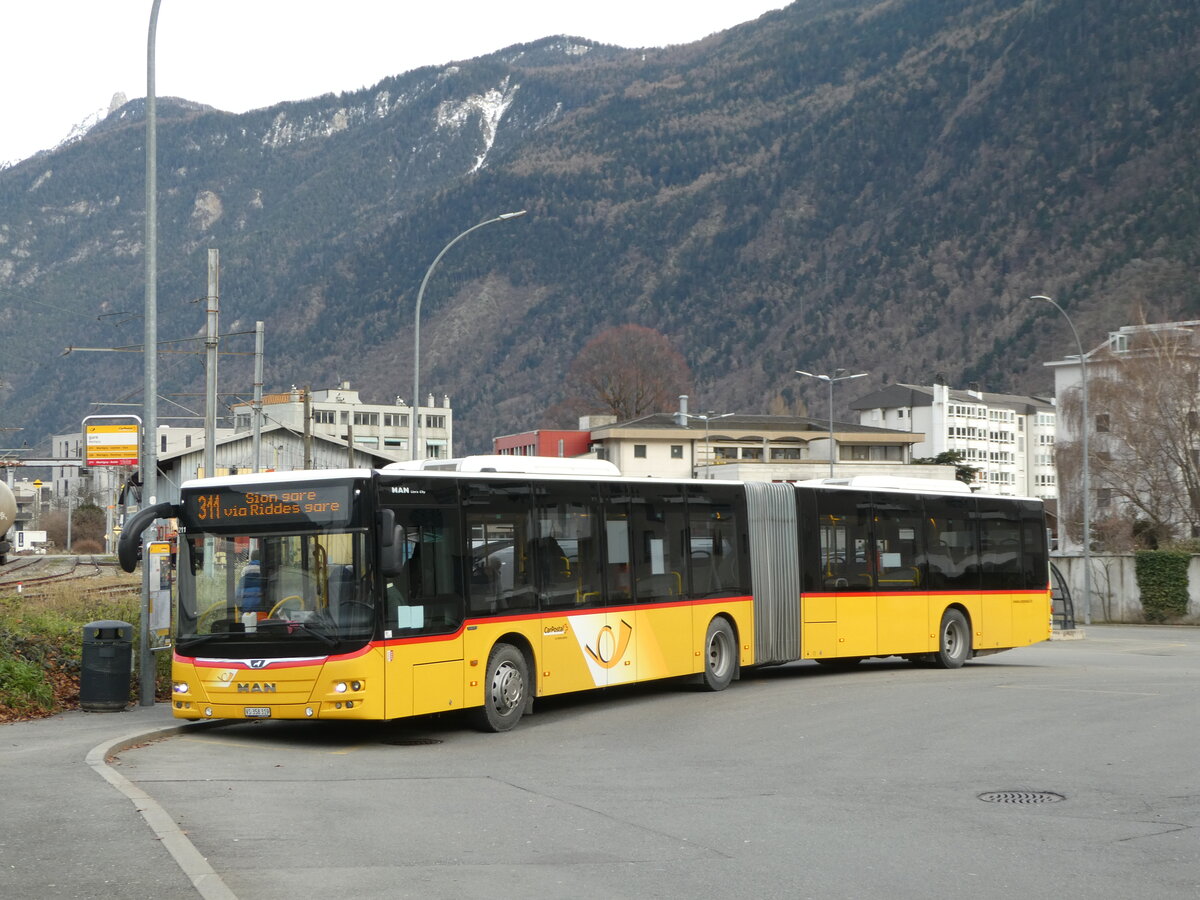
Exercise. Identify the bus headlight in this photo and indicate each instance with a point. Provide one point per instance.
(340, 687)
(180, 687)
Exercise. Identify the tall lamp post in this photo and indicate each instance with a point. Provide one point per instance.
(149, 461)
(1087, 484)
(838, 375)
(706, 418)
(416, 404)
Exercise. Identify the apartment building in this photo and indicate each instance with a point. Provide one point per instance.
(1008, 438)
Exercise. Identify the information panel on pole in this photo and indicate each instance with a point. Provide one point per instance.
(157, 555)
(111, 445)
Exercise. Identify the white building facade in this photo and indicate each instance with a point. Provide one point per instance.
(341, 413)
(1008, 438)
(1129, 358)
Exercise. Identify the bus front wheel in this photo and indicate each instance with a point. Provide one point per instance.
(720, 655)
(954, 642)
(506, 692)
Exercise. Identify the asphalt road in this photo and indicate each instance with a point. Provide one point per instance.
(796, 782)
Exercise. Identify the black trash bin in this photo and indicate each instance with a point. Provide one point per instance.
(107, 670)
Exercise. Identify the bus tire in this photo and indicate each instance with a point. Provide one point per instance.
(506, 691)
(954, 641)
(720, 655)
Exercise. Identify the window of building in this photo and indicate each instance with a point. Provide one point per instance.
(752, 453)
(1102, 423)
(343, 417)
(677, 451)
(435, 421)
(323, 416)
(366, 418)
(639, 451)
(395, 420)
(725, 452)
(785, 453)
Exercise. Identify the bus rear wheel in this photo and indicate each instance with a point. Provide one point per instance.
(506, 693)
(954, 643)
(720, 655)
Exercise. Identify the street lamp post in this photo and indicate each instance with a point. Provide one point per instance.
(838, 375)
(149, 461)
(416, 402)
(1087, 489)
(706, 418)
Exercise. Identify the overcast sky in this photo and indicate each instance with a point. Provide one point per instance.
(61, 60)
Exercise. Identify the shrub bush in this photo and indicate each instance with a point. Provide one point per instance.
(1162, 577)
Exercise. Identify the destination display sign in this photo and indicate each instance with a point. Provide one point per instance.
(262, 506)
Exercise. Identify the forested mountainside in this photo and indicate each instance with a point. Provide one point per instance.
(868, 185)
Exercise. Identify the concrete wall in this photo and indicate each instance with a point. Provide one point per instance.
(1115, 594)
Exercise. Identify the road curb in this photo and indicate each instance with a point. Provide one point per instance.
(194, 865)
(1067, 634)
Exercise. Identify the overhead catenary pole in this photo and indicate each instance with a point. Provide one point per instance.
(308, 439)
(211, 342)
(258, 395)
(416, 398)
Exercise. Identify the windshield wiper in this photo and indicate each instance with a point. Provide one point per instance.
(308, 629)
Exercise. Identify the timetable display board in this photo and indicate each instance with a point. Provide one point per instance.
(255, 507)
(111, 445)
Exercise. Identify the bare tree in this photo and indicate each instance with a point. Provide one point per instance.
(627, 371)
(1144, 439)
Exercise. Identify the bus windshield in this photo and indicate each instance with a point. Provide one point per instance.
(277, 588)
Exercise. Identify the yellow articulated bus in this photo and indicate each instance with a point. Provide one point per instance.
(480, 584)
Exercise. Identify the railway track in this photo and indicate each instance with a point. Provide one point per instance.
(34, 577)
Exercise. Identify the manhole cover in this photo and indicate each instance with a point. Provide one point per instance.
(1021, 797)
(412, 742)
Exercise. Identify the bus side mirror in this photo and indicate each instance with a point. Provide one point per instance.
(130, 543)
(391, 543)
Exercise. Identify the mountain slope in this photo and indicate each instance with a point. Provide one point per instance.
(869, 185)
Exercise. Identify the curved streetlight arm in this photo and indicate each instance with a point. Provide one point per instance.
(416, 401)
(1086, 427)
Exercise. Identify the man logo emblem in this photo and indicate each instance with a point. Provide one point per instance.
(258, 663)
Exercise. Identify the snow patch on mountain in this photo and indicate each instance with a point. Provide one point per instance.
(489, 107)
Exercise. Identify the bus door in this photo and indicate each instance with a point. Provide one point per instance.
(1000, 570)
(580, 645)
(424, 600)
(849, 564)
(902, 604)
(658, 552)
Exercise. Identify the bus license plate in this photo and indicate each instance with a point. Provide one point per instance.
(258, 712)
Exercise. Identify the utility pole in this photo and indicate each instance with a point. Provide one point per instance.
(258, 395)
(307, 428)
(211, 340)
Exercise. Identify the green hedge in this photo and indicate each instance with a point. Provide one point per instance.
(1162, 577)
